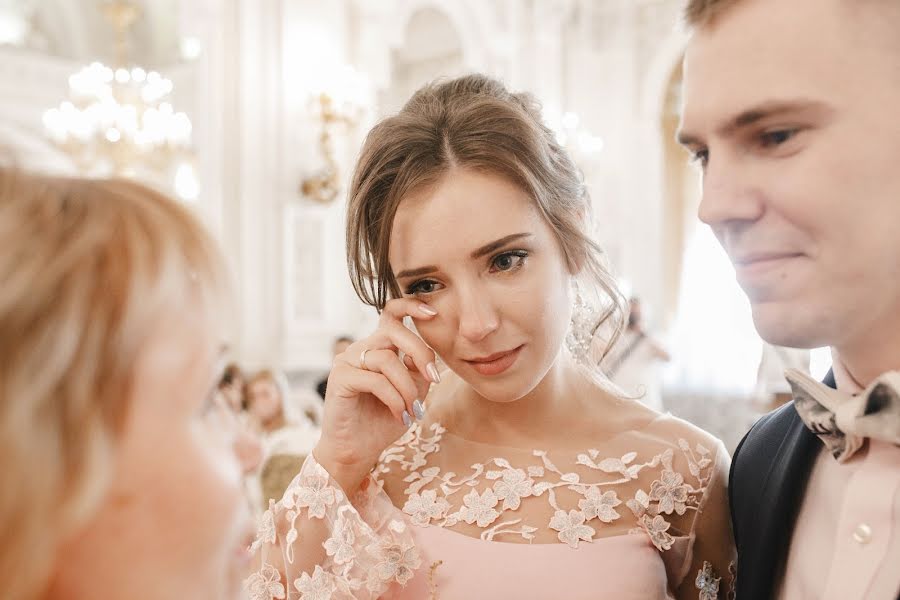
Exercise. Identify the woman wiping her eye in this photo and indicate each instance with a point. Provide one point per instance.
(517, 471)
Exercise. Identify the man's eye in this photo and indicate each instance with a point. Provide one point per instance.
(777, 137)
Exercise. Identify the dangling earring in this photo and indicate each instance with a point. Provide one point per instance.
(580, 335)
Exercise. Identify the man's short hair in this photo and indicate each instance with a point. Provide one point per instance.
(698, 13)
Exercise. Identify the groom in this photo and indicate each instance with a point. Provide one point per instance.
(792, 109)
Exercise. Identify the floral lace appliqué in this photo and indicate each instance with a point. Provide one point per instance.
(707, 582)
(265, 584)
(431, 492)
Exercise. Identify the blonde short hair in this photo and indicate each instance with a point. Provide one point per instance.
(88, 269)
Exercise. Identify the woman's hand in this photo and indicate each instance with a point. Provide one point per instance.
(373, 396)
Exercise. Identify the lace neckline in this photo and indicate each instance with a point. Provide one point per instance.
(536, 497)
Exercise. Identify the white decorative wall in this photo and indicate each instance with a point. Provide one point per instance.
(248, 92)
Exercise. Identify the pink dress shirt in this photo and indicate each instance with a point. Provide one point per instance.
(846, 544)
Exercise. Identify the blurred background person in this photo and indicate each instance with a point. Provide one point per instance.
(340, 344)
(634, 362)
(280, 418)
(231, 386)
(119, 479)
(288, 432)
(231, 404)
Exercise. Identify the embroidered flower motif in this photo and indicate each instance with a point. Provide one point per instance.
(657, 528)
(707, 582)
(312, 492)
(600, 506)
(265, 530)
(671, 492)
(394, 562)
(340, 544)
(732, 581)
(512, 486)
(479, 509)
(318, 587)
(426, 506)
(265, 584)
(571, 527)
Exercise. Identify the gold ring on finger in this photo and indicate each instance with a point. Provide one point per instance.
(362, 360)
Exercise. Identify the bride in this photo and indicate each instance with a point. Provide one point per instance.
(516, 472)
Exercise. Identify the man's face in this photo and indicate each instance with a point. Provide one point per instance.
(793, 110)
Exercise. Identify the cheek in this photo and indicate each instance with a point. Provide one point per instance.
(169, 527)
(439, 333)
(192, 490)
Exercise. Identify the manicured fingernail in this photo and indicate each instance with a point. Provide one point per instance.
(407, 420)
(418, 410)
(427, 310)
(433, 374)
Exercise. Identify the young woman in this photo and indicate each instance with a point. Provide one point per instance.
(515, 473)
(118, 480)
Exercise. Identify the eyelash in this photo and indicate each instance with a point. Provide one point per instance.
(767, 139)
(700, 157)
(416, 287)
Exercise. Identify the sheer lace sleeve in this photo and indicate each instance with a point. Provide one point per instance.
(318, 544)
(710, 575)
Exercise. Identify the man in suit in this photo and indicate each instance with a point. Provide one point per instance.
(792, 110)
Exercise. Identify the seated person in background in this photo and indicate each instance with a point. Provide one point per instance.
(284, 426)
(231, 404)
(118, 480)
(340, 344)
(287, 432)
(231, 386)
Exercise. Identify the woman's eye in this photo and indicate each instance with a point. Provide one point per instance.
(509, 261)
(425, 286)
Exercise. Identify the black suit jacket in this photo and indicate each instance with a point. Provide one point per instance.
(769, 473)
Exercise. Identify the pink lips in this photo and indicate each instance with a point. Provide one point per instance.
(756, 265)
(495, 363)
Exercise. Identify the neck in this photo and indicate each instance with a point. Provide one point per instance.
(549, 410)
(871, 356)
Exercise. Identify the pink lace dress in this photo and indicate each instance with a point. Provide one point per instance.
(641, 516)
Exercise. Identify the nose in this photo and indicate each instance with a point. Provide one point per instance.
(478, 316)
(728, 195)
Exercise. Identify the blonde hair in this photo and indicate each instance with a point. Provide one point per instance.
(470, 122)
(277, 379)
(89, 268)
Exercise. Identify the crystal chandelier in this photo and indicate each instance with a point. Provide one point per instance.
(119, 120)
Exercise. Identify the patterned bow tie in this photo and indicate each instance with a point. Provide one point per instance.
(844, 422)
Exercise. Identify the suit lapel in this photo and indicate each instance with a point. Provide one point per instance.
(781, 497)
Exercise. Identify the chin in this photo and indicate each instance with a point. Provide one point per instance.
(501, 392)
(780, 324)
